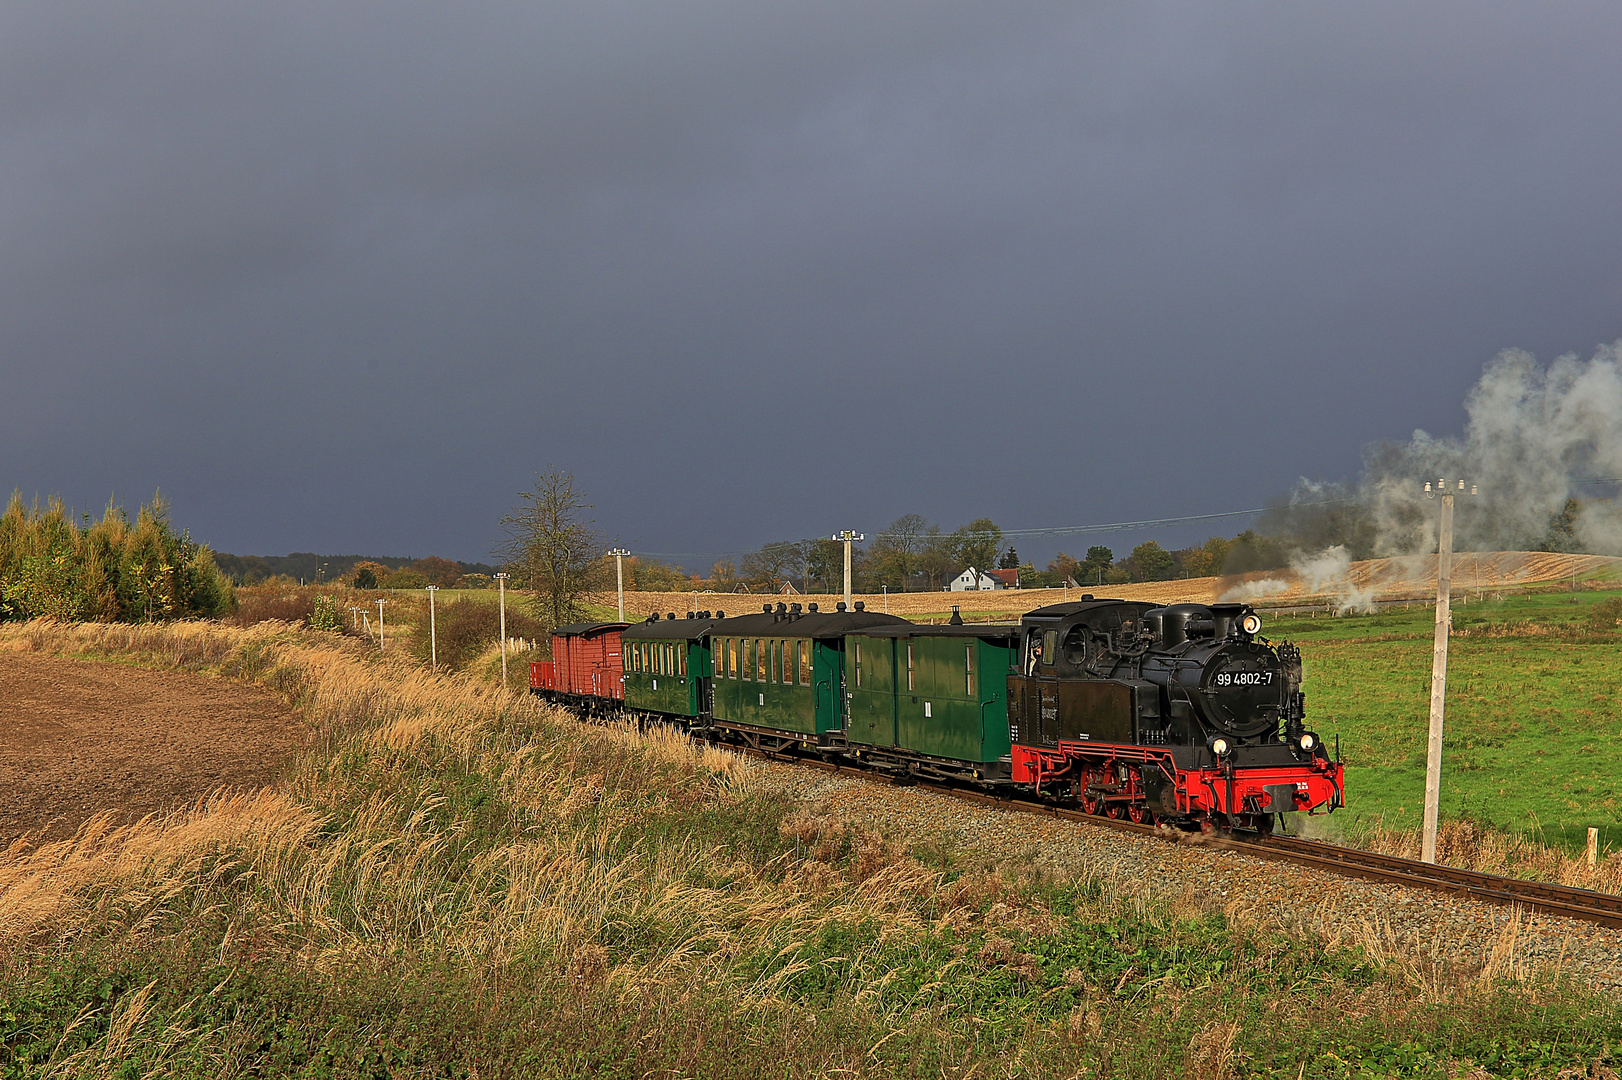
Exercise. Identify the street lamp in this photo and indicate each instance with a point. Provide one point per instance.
(433, 637)
(501, 586)
(619, 573)
(847, 538)
(1444, 623)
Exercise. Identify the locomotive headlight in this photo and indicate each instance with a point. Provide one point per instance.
(1308, 741)
(1251, 623)
(1220, 746)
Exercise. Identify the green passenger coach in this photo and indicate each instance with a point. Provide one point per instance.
(668, 666)
(933, 692)
(783, 671)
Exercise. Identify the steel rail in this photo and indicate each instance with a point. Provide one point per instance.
(1604, 909)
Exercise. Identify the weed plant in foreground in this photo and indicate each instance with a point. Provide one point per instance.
(454, 882)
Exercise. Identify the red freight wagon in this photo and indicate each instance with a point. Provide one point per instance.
(586, 660)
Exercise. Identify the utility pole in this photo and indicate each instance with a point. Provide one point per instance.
(619, 572)
(1444, 623)
(380, 603)
(433, 635)
(848, 538)
(886, 589)
(501, 585)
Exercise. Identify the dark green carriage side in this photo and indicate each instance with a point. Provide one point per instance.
(668, 666)
(784, 671)
(870, 690)
(948, 688)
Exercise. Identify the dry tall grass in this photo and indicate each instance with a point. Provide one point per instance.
(1467, 845)
(441, 817)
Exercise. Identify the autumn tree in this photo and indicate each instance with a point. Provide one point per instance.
(552, 548)
(977, 545)
(438, 571)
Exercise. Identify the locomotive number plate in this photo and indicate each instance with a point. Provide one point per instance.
(1244, 678)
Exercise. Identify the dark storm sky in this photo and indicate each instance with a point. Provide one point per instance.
(340, 277)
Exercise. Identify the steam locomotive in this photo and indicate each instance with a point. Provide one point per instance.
(1182, 714)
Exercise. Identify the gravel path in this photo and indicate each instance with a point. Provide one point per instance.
(1388, 920)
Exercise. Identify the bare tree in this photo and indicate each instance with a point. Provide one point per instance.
(551, 547)
(898, 550)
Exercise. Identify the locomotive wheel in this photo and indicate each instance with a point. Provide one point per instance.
(1091, 805)
(1114, 810)
(1140, 814)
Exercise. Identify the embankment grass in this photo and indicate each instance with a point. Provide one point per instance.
(454, 882)
(1533, 720)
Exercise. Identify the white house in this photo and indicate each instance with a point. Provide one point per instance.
(989, 580)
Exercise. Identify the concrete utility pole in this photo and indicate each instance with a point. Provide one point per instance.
(848, 538)
(433, 635)
(1444, 623)
(501, 585)
(380, 603)
(619, 572)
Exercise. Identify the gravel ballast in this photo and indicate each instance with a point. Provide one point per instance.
(1386, 919)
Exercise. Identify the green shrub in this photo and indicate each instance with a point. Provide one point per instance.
(324, 614)
(109, 571)
(1606, 614)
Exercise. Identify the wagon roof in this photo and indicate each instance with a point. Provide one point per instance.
(807, 624)
(587, 629)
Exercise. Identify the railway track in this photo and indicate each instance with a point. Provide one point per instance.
(1573, 903)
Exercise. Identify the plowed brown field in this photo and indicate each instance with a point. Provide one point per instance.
(80, 736)
(1378, 579)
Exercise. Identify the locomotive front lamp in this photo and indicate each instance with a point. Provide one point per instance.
(1308, 741)
(1250, 623)
(1220, 746)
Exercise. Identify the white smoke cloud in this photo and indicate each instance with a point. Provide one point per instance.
(1532, 435)
(1254, 590)
(1330, 572)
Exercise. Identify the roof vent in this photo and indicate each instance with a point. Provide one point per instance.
(692, 614)
(652, 618)
(839, 606)
(861, 605)
(766, 609)
(719, 614)
(781, 607)
(1086, 596)
(670, 615)
(794, 608)
(813, 607)
(956, 619)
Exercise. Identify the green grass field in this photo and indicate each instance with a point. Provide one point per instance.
(1534, 712)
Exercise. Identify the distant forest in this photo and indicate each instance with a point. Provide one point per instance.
(310, 567)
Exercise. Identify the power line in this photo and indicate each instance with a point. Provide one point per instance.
(1053, 530)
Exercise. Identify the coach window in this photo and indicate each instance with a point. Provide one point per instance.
(857, 645)
(805, 663)
(732, 658)
(968, 667)
(786, 673)
(909, 666)
(763, 656)
(681, 659)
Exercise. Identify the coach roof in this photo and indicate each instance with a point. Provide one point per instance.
(669, 630)
(986, 631)
(806, 624)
